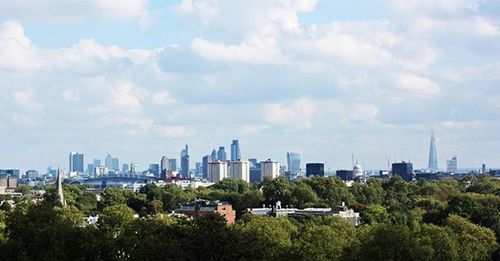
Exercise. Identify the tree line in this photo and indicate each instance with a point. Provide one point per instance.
(424, 220)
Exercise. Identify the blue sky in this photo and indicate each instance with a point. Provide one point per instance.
(138, 79)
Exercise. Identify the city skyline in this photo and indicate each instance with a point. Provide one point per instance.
(327, 79)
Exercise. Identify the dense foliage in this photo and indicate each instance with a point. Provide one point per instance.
(423, 220)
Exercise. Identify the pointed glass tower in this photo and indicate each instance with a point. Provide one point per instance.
(433, 162)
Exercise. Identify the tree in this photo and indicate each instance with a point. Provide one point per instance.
(331, 191)
(114, 219)
(370, 193)
(322, 239)
(436, 243)
(174, 196)
(265, 238)
(302, 195)
(111, 197)
(475, 242)
(278, 189)
(374, 214)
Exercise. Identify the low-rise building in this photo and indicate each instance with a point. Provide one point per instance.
(201, 208)
(341, 211)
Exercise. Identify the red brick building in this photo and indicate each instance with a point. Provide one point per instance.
(202, 208)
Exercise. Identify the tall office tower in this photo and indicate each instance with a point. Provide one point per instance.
(155, 169)
(253, 163)
(115, 164)
(483, 168)
(240, 169)
(235, 150)
(108, 162)
(217, 170)
(221, 154)
(164, 164)
(433, 162)
(315, 169)
(97, 163)
(452, 165)
(90, 169)
(403, 169)
(206, 159)
(76, 162)
(125, 168)
(214, 155)
(185, 163)
(269, 168)
(293, 161)
(172, 164)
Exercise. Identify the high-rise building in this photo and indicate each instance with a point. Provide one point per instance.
(164, 164)
(97, 163)
(76, 162)
(433, 161)
(172, 164)
(403, 169)
(315, 169)
(452, 165)
(221, 154)
(90, 169)
(214, 155)
(185, 163)
(217, 170)
(240, 169)
(235, 150)
(293, 162)
(125, 168)
(344, 174)
(483, 168)
(253, 163)
(108, 162)
(115, 164)
(31, 174)
(269, 168)
(155, 169)
(206, 159)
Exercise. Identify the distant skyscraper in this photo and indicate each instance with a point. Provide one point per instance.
(97, 163)
(452, 165)
(185, 163)
(221, 154)
(115, 164)
(403, 169)
(315, 169)
(164, 164)
(235, 150)
(76, 162)
(205, 161)
(433, 162)
(172, 164)
(483, 168)
(125, 168)
(155, 169)
(214, 155)
(293, 162)
(108, 162)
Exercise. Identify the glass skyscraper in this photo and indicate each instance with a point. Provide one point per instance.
(433, 162)
(293, 162)
(221, 154)
(185, 163)
(235, 150)
(76, 162)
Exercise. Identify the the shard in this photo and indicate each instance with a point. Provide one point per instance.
(433, 162)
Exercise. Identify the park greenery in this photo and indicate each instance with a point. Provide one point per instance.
(446, 219)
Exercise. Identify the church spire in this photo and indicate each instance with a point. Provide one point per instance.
(59, 188)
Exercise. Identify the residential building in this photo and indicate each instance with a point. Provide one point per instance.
(270, 169)
(202, 208)
(217, 170)
(240, 169)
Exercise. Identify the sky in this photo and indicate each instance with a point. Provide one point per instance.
(329, 79)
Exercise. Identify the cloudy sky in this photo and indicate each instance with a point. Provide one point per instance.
(326, 78)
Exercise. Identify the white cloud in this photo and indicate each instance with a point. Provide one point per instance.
(16, 50)
(416, 85)
(297, 114)
(175, 131)
(163, 98)
(26, 99)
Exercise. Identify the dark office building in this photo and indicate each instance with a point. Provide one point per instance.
(155, 169)
(315, 169)
(255, 175)
(403, 169)
(345, 174)
(206, 159)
